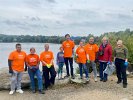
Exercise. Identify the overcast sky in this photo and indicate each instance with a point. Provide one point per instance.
(58, 17)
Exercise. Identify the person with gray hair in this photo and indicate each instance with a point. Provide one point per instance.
(121, 62)
(47, 58)
(105, 58)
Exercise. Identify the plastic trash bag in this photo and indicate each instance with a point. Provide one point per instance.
(110, 69)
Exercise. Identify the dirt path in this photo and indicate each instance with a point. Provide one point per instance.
(92, 91)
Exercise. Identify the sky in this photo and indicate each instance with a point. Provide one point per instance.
(59, 17)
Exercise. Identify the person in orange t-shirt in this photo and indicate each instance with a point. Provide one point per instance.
(16, 63)
(68, 47)
(32, 61)
(46, 57)
(92, 49)
(82, 57)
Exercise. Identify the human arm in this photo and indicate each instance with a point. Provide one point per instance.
(10, 66)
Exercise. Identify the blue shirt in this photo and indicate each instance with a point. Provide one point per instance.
(60, 57)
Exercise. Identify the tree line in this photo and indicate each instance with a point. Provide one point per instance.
(126, 36)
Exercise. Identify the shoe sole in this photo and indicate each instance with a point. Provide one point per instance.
(20, 92)
(11, 93)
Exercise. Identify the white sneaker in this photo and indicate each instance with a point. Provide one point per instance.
(11, 92)
(95, 79)
(20, 91)
(80, 78)
(87, 79)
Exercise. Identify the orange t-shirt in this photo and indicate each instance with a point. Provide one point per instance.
(68, 47)
(80, 51)
(46, 56)
(18, 60)
(91, 50)
(32, 59)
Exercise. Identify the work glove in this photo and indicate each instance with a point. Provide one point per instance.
(49, 65)
(108, 63)
(88, 61)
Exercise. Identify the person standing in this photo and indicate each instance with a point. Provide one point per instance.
(16, 63)
(92, 49)
(81, 60)
(47, 57)
(105, 58)
(121, 62)
(32, 62)
(68, 47)
(60, 62)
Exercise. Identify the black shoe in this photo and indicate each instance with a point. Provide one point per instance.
(73, 77)
(118, 82)
(41, 92)
(104, 80)
(46, 89)
(33, 91)
(124, 85)
(101, 79)
(66, 76)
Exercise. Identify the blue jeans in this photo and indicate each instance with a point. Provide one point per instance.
(103, 66)
(39, 78)
(81, 67)
(60, 69)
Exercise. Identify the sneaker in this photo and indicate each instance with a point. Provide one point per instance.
(104, 80)
(101, 79)
(118, 82)
(33, 91)
(41, 92)
(95, 79)
(72, 77)
(124, 85)
(80, 78)
(20, 91)
(66, 76)
(87, 79)
(11, 92)
(59, 78)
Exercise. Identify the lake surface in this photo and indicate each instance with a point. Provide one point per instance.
(7, 48)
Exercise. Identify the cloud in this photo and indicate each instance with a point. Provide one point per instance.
(65, 16)
(51, 1)
(36, 18)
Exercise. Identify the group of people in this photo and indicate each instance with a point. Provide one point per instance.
(89, 53)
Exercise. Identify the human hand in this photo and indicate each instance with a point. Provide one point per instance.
(108, 63)
(126, 63)
(49, 65)
(88, 61)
